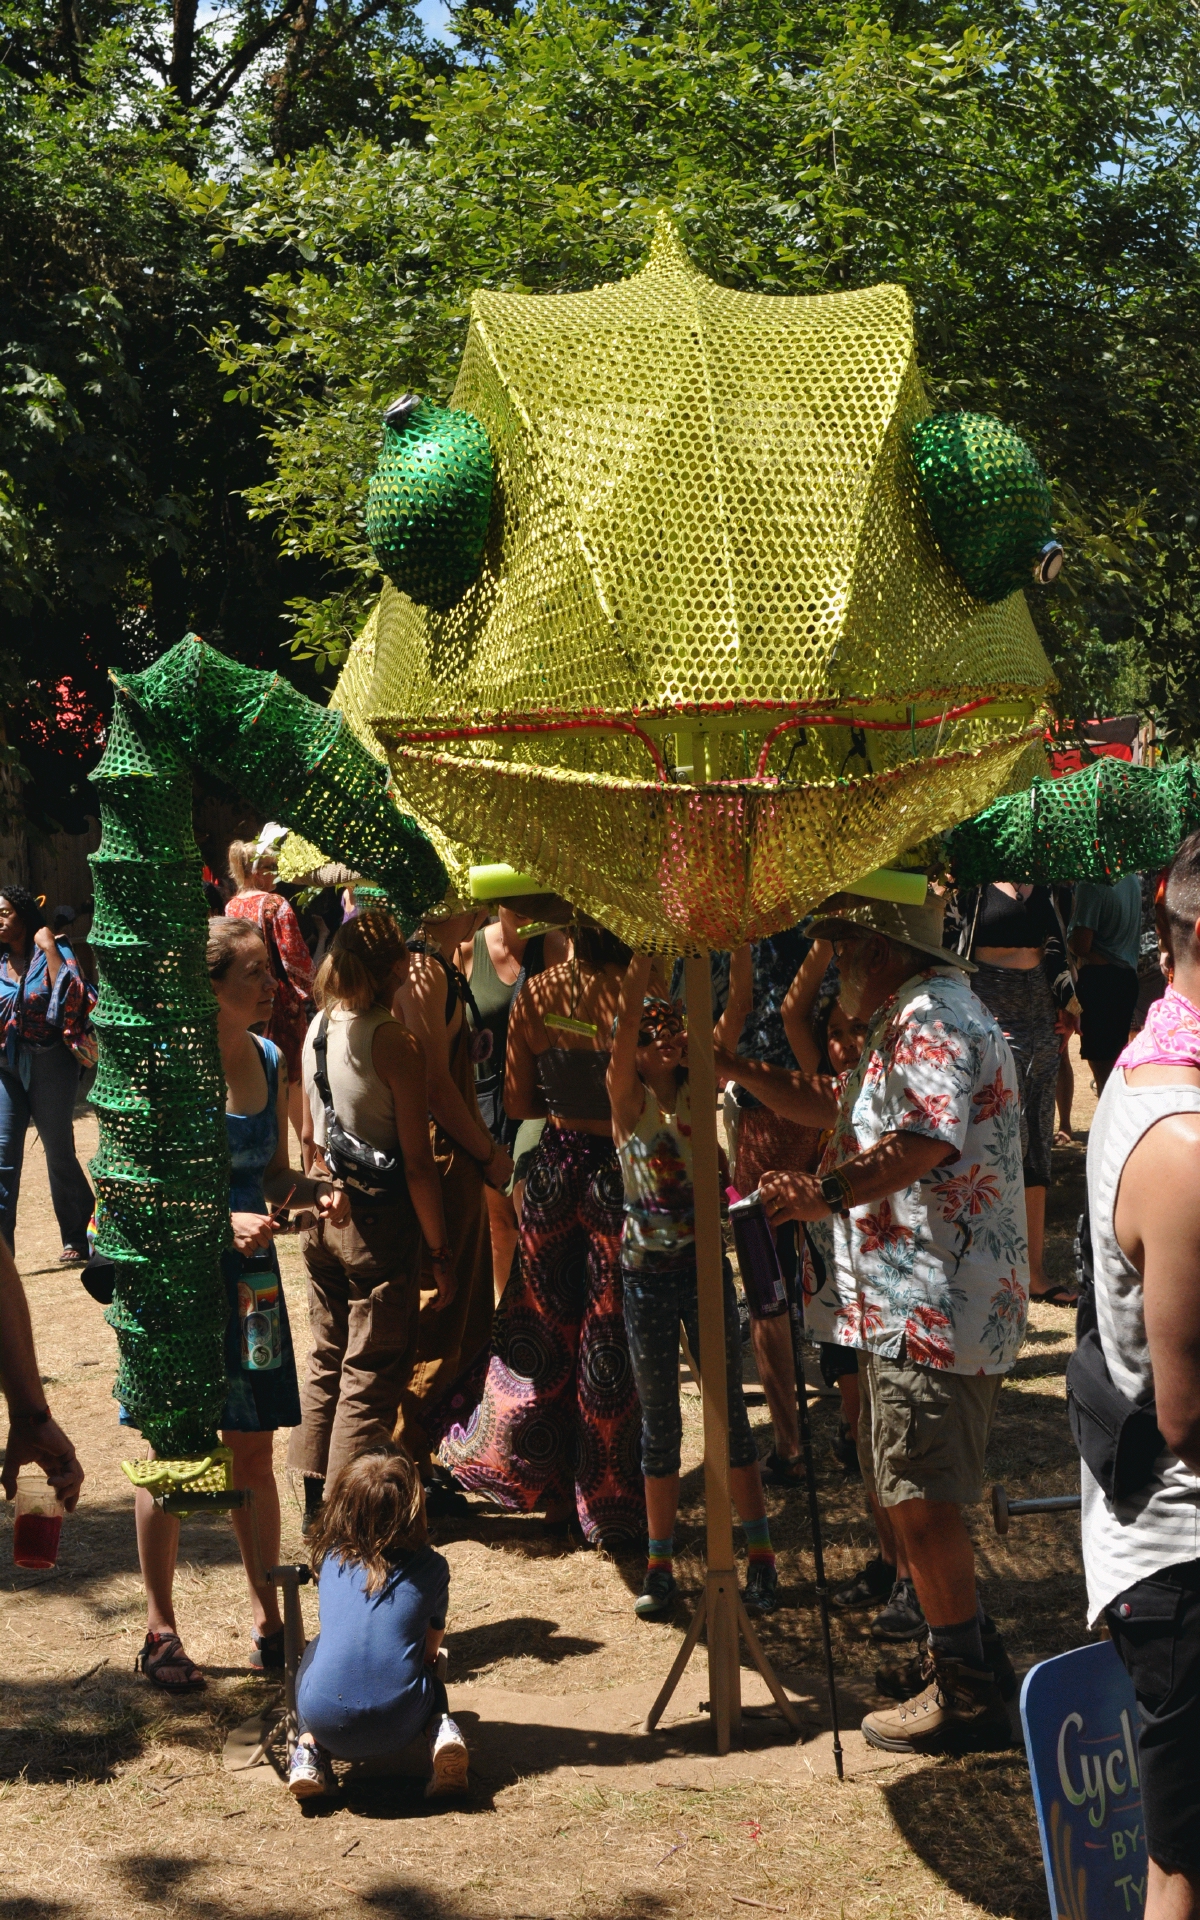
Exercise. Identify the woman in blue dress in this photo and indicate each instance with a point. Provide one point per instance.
(259, 1362)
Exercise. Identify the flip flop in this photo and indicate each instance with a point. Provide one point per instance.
(1059, 1296)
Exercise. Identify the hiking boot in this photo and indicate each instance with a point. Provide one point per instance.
(902, 1679)
(902, 1618)
(778, 1472)
(959, 1711)
(658, 1595)
(761, 1591)
(873, 1582)
(845, 1451)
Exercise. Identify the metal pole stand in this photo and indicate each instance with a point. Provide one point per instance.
(814, 1514)
(249, 1744)
(1003, 1507)
(720, 1609)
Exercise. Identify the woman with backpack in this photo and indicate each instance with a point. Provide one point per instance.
(366, 1125)
(47, 1041)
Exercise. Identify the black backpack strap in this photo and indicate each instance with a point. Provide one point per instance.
(321, 1068)
(458, 987)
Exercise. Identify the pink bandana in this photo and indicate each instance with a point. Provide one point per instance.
(1170, 1037)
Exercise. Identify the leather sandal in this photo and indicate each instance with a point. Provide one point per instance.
(163, 1653)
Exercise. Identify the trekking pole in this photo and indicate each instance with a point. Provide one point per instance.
(814, 1518)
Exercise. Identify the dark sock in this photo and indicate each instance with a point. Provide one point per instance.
(314, 1492)
(962, 1642)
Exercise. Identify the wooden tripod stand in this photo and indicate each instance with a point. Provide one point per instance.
(720, 1608)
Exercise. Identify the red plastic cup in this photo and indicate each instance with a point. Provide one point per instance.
(38, 1525)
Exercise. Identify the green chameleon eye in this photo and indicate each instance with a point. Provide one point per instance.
(988, 502)
(429, 501)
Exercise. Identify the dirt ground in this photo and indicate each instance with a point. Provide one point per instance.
(114, 1800)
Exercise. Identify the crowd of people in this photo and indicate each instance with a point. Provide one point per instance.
(494, 1129)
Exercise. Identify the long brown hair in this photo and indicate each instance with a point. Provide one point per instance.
(374, 1512)
(359, 963)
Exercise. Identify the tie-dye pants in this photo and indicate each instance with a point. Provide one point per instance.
(559, 1415)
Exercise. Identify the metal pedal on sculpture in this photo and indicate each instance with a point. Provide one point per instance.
(205, 1484)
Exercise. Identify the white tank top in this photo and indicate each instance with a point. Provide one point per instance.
(1160, 1525)
(361, 1100)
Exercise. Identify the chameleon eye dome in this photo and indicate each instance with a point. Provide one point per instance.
(988, 503)
(429, 501)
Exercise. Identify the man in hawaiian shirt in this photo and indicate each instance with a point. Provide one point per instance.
(918, 1258)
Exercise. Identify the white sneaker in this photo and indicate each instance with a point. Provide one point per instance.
(448, 1759)
(309, 1772)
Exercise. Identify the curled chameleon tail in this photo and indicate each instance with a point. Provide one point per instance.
(162, 1169)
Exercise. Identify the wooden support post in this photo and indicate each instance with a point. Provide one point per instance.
(720, 1610)
(724, 1672)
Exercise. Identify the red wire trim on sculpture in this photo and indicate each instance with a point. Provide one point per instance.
(870, 726)
(597, 722)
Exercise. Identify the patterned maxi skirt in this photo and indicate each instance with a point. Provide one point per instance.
(559, 1415)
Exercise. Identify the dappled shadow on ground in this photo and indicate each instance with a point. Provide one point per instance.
(477, 1648)
(75, 1732)
(984, 1795)
(183, 1888)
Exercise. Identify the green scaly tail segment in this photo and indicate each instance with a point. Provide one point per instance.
(1108, 819)
(162, 1169)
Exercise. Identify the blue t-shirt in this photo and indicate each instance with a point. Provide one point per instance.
(1115, 916)
(363, 1689)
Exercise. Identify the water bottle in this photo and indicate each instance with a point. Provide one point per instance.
(758, 1258)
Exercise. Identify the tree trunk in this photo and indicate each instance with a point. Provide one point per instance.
(181, 72)
(284, 79)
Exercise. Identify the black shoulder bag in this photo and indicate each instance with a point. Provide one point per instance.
(363, 1169)
(1117, 1437)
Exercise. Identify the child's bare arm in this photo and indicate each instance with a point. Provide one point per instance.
(624, 1087)
(433, 1640)
(798, 1006)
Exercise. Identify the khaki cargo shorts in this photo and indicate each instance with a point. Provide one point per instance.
(926, 1430)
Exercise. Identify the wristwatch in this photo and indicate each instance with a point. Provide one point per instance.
(836, 1192)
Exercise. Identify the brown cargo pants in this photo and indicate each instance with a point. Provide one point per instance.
(364, 1299)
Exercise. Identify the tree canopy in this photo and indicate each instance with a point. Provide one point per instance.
(225, 254)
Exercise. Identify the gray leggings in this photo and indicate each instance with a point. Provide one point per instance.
(655, 1303)
(1024, 1006)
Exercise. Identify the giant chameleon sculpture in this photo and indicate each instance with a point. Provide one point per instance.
(694, 610)
(162, 1170)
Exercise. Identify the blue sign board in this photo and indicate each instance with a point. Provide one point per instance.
(1080, 1717)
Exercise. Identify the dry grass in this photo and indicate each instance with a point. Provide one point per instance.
(114, 1801)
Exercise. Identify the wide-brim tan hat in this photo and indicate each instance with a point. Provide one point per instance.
(919, 927)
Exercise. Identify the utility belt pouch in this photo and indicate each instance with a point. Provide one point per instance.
(365, 1171)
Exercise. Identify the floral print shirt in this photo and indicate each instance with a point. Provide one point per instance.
(937, 1274)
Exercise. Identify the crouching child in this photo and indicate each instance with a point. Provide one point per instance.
(368, 1684)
